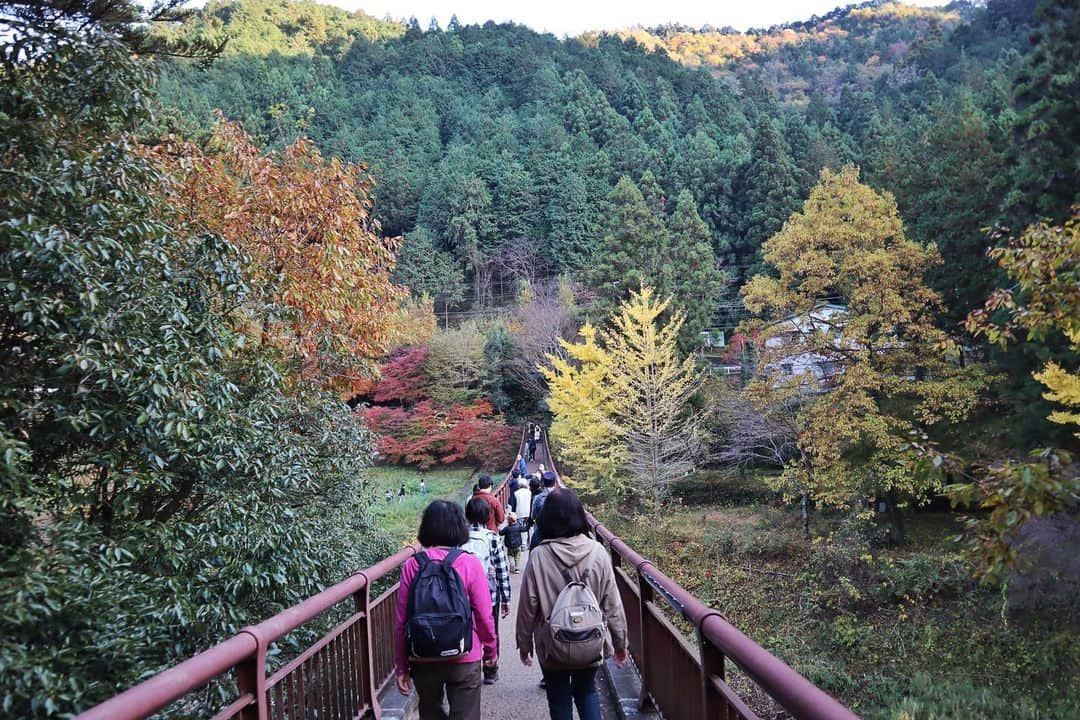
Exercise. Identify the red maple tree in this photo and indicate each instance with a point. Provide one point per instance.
(414, 429)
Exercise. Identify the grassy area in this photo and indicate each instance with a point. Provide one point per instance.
(897, 633)
(401, 519)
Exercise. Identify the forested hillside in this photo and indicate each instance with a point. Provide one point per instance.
(503, 155)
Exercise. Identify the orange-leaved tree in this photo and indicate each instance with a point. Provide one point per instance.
(315, 250)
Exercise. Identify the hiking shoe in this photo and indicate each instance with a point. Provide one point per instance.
(490, 679)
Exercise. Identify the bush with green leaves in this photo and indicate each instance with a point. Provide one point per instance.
(161, 485)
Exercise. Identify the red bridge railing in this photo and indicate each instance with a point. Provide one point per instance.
(341, 676)
(682, 680)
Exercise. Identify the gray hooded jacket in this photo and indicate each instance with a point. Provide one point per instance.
(543, 581)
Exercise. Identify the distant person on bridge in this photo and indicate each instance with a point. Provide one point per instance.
(442, 530)
(547, 482)
(488, 546)
(532, 434)
(535, 489)
(521, 502)
(498, 515)
(512, 535)
(569, 566)
(521, 466)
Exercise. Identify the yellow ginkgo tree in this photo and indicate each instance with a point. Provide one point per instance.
(621, 401)
(580, 397)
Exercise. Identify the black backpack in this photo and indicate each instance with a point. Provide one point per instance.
(439, 623)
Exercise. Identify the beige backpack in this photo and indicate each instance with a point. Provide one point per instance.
(574, 633)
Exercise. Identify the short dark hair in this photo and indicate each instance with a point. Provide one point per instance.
(534, 483)
(477, 511)
(563, 515)
(443, 525)
(515, 473)
(484, 482)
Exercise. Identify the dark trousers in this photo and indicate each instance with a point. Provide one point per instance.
(566, 688)
(460, 682)
(493, 671)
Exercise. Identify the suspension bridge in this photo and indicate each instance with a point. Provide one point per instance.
(348, 673)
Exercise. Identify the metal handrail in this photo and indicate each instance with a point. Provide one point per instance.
(247, 646)
(797, 695)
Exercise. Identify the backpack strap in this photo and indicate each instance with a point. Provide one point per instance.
(452, 556)
(422, 560)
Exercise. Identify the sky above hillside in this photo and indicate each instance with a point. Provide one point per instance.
(572, 17)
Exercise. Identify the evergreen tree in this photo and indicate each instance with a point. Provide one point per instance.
(427, 269)
(514, 203)
(473, 231)
(771, 194)
(950, 199)
(690, 272)
(710, 170)
(1046, 152)
(856, 112)
(632, 247)
(145, 439)
(497, 349)
(573, 230)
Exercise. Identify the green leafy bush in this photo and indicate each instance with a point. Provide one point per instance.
(160, 486)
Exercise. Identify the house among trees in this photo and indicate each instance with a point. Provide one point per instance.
(810, 360)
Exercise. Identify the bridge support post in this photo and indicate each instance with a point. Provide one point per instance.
(369, 689)
(712, 665)
(251, 678)
(647, 595)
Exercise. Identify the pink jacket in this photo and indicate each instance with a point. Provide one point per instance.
(473, 577)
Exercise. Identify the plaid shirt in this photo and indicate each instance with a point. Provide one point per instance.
(500, 583)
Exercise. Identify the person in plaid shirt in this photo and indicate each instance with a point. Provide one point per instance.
(488, 546)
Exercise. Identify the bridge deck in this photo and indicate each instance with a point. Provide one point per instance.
(517, 695)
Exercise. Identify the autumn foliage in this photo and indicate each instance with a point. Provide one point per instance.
(415, 429)
(431, 433)
(305, 221)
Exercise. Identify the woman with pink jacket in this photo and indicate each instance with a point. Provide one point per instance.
(442, 529)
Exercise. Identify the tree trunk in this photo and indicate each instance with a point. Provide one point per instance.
(804, 511)
(897, 531)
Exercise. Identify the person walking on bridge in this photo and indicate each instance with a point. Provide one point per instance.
(547, 482)
(488, 546)
(450, 668)
(498, 515)
(569, 586)
(532, 434)
(521, 502)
